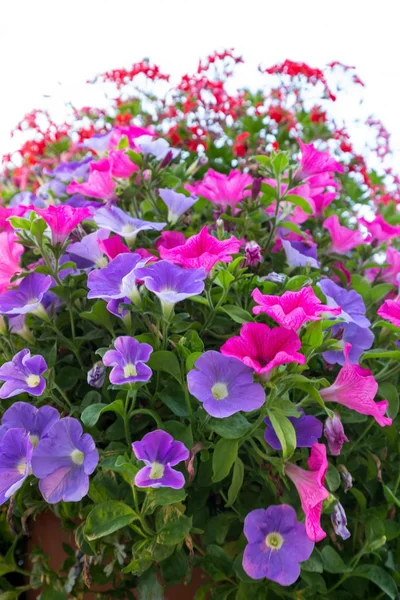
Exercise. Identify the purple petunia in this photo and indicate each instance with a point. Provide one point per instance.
(115, 219)
(89, 251)
(63, 461)
(158, 148)
(36, 422)
(300, 254)
(339, 521)
(172, 283)
(176, 203)
(27, 297)
(116, 280)
(160, 452)
(128, 360)
(308, 429)
(335, 435)
(15, 456)
(224, 385)
(23, 374)
(277, 543)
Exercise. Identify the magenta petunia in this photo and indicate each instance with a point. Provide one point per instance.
(380, 230)
(63, 219)
(223, 190)
(160, 452)
(390, 311)
(263, 348)
(100, 183)
(343, 238)
(128, 361)
(315, 162)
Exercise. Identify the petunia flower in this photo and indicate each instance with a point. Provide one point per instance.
(36, 422)
(89, 250)
(202, 250)
(13, 211)
(63, 219)
(171, 283)
(300, 254)
(177, 204)
(356, 388)
(380, 230)
(63, 461)
(339, 521)
(131, 132)
(390, 311)
(128, 360)
(263, 348)
(308, 430)
(223, 190)
(389, 273)
(158, 148)
(23, 374)
(120, 164)
(315, 162)
(160, 452)
(116, 220)
(350, 301)
(27, 298)
(292, 309)
(335, 435)
(116, 280)
(66, 171)
(224, 385)
(252, 253)
(277, 543)
(343, 238)
(10, 256)
(112, 246)
(310, 487)
(100, 183)
(50, 190)
(170, 239)
(15, 457)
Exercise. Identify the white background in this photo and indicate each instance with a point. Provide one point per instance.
(50, 48)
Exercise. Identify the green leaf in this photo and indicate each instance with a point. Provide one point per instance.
(314, 563)
(297, 282)
(312, 336)
(225, 454)
(175, 567)
(387, 325)
(332, 478)
(381, 353)
(217, 561)
(67, 377)
(191, 359)
(163, 497)
(264, 160)
(379, 577)
(49, 593)
(299, 201)
(285, 432)
(292, 227)
(174, 531)
(165, 361)
(180, 432)
(231, 428)
(389, 392)
(107, 517)
(332, 561)
(380, 290)
(99, 315)
(91, 414)
(237, 481)
(362, 286)
(359, 496)
(390, 497)
(148, 586)
(280, 163)
(237, 314)
(224, 279)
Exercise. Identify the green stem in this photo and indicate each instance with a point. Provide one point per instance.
(151, 413)
(59, 390)
(126, 421)
(358, 440)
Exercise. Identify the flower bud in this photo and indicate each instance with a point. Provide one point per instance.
(220, 229)
(346, 478)
(339, 521)
(166, 160)
(274, 277)
(256, 188)
(96, 375)
(252, 253)
(334, 434)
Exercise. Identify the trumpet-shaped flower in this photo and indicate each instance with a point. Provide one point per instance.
(10, 256)
(88, 251)
(27, 298)
(300, 254)
(116, 280)
(343, 239)
(315, 162)
(23, 374)
(36, 422)
(128, 361)
(15, 457)
(63, 219)
(177, 204)
(380, 230)
(116, 220)
(100, 183)
(390, 311)
(223, 190)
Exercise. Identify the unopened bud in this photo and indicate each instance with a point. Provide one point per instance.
(346, 478)
(252, 253)
(256, 188)
(334, 434)
(166, 160)
(96, 375)
(339, 521)
(220, 229)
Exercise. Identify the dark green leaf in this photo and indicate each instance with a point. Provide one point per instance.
(237, 481)
(231, 428)
(379, 577)
(165, 361)
(92, 413)
(332, 561)
(237, 314)
(285, 432)
(107, 517)
(225, 454)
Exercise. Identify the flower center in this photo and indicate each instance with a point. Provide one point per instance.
(33, 381)
(21, 466)
(274, 541)
(130, 370)
(157, 470)
(101, 262)
(34, 440)
(219, 391)
(32, 301)
(77, 457)
(128, 229)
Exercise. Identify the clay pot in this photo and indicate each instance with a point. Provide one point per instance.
(46, 532)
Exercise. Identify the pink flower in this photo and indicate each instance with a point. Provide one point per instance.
(112, 246)
(100, 183)
(294, 213)
(322, 201)
(202, 250)
(380, 229)
(390, 310)
(170, 239)
(121, 164)
(310, 487)
(62, 219)
(224, 190)
(10, 253)
(292, 309)
(356, 388)
(132, 132)
(263, 348)
(314, 162)
(7, 212)
(343, 239)
(389, 274)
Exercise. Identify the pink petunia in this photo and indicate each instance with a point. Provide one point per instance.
(10, 254)
(314, 162)
(292, 309)
(62, 219)
(112, 246)
(293, 213)
(100, 183)
(356, 388)
(223, 190)
(121, 164)
(343, 239)
(390, 311)
(202, 250)
(311, 489)
(6, 212)
(170, 239)
(388, 274)
(381, 230)
(263, 348)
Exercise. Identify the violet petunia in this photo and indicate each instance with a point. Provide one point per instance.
(171, 283)
(335, 435)
(36, 422)
(66, 171)
(350, 301)
(339, 521)
(63, 219)
(224, 385)
(160, 452)
(89, 249)
(177, 204)
(277, 543)
(116, 220)
(310, 487)
(128, 361)
(27, 298)
(15, 457)
(263, 348)
(158, 148)
(308, 430)
(300, 254)
(23, 374)
(63, 461)
(116, 280)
